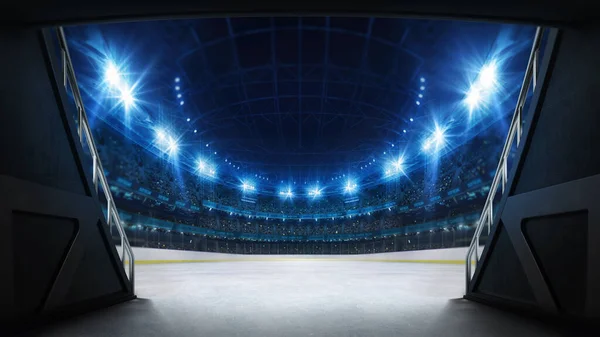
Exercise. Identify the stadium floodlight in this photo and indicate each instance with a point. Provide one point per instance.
(435, 141)
(488, 76)
(126, 98)
(173, 146)
(117, 85)
(315, 192)
(112, 75)
(473, 97)
(204, 168)
(350, 187)
(160, 135)
(286, 193)
(166, 142)
(398, 164)
(247, 187)
(483, 87)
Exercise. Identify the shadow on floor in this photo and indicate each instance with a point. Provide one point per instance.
(459, 318)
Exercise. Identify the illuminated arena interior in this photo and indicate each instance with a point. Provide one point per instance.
(229, 132)
(299, 176)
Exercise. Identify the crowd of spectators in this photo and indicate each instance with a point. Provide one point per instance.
(136, 164)
(123, 158)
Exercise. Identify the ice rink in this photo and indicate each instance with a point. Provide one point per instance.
(299, 298)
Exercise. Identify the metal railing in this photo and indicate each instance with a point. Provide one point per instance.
(98, 177)
(500, 178)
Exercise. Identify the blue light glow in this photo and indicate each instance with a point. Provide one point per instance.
(248, 187)
(287, 193)
(118, 86)
(350, 187)
(483, 88)
(205, 168)
(112, 75)
(166, 142)
(436, 140)
(315, 192)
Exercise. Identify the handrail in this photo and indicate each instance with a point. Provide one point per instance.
(98, 176)
(501, 176)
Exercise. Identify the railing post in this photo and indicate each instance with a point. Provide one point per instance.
(64, 66)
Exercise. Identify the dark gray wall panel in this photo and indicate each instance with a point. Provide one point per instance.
(503, 274)
(88, 280)
(48, 268)
(559, 245)
(566, 142)
(40, 244)
(35, 146)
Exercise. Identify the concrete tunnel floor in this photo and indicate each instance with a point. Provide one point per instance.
(299, 298)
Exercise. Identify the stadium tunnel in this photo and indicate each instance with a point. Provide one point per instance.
(540, 257)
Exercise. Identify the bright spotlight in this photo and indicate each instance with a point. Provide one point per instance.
(127, 98)
(438, 136)
(201, 166)
(287, 193)
(173, 146)
(181, 103)
(177, 79)
(160, 135)
(473, 98)
(484, 86)
(112, 75)
(435, 141)
(350, 187)
(487, 75)
(314, 192)
(398, 164)
(247, 187)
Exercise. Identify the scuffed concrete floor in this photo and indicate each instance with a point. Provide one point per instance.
(299, 298)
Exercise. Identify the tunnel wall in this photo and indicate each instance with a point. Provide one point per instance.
(543, 255)
(55, 255)
(155, 255)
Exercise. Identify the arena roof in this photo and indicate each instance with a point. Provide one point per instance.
(297, 98)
